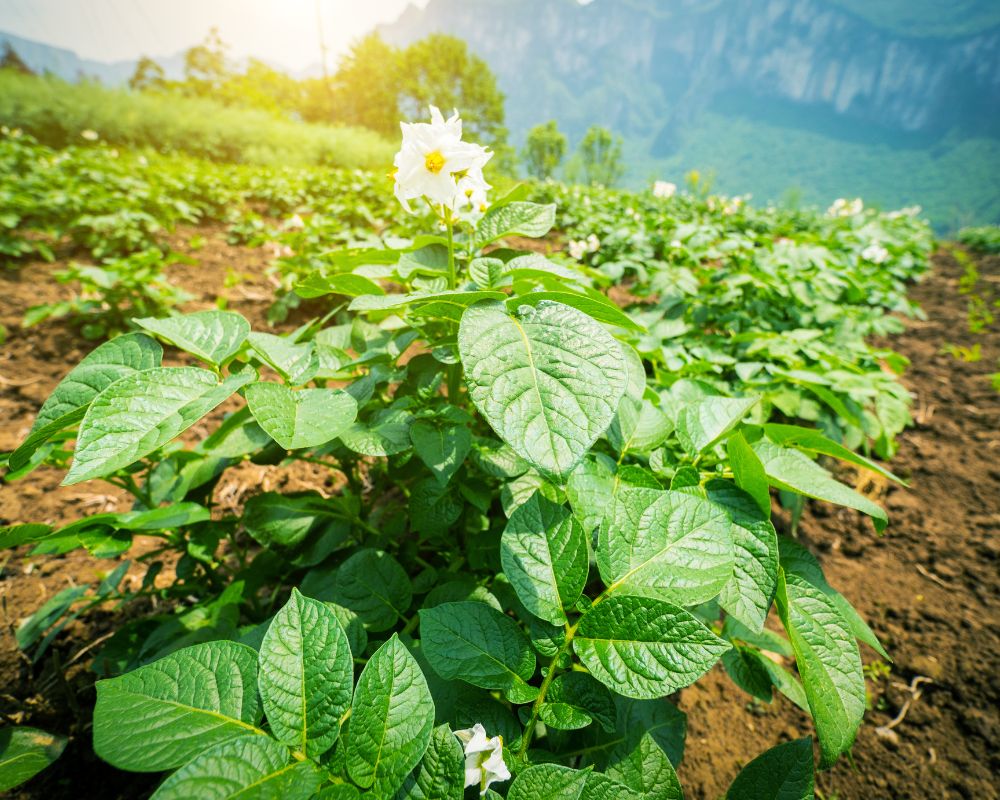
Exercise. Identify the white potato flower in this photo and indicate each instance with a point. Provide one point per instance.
(875, 253)
(846, 208)
(89, 135)
(484, 762)
(664, 189)
(433, 159)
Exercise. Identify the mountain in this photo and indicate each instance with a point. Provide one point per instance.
(891, 99)
(69, 66)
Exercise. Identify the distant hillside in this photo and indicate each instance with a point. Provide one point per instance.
(850, 87)
(69, 66)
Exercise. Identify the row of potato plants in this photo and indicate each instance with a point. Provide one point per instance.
(550, 513)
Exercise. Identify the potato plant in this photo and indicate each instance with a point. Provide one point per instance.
(537, 532)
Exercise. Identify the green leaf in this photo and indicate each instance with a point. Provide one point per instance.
(748, 472)
(297, 363)
(375, 587)
(443, 448)
(665, 544)
(645, 648)
(385, 434)
(828, 661)
(160, 716)
(303, 418)
(546, 557)
(548, 379)
(345, 283)
(433, 507)
(588, 490)
(744, 666)
(24, 752)
(124, 355)
(813, 441)
(441, 775)
(600, 308)
(645, 768)
(248, 767)
(583, 700)
(488, 273)
(797, 560)
(391, 720)
(555, 782)
(212, 336)
(455, 297)
(475, 643)
(784, 772)
(795, 472)
(701, 424)
(306, 675)
(750, 591)
(515, 219)
(282, 520)
(143, 411)
(662, 720)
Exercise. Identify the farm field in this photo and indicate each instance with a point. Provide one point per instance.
(776, 365)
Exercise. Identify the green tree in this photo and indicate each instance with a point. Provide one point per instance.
(544, 150)
(205, 64)
(439, 70)
(600, 156)
(148, 75)
(365, 90)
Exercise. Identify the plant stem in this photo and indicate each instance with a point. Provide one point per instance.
(454, 376)
(529, 729)
(450, 226)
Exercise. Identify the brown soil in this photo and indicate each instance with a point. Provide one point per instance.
(929, 586)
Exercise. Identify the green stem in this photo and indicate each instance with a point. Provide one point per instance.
(529, 729)
(450, 225)
(454, 376)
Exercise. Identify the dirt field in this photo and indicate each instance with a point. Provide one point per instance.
(929, 586)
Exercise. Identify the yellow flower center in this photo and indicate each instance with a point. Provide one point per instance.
(434, 162)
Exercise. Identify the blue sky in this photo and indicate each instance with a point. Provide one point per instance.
(279, 31)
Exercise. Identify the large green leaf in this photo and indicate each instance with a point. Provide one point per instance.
(375, 587)
(385, 434)
(556, 782)
(665, 544)
(794, 471)
(546, 557)
(306, 675)
(303, 418)
(797, 560)
(548, 379)
(296, 362)
(750, 590)
(577, 698)
(702, 423)
(162, 715)
(24, 752)
(599, 307)
(212, 336)
(391, 720)
(645, 648)
(442, 447)
(815, 442)
(589, 489)
(124, 355)
(441, 775)
(784, 772)
(475, 643)
(246, 768)
(829, 663)
(748, 472)
(643, 767)
(345, 283)
(282, 520)
(143, 411)
(515, 219)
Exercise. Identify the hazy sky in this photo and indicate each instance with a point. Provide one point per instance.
(282, 31)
